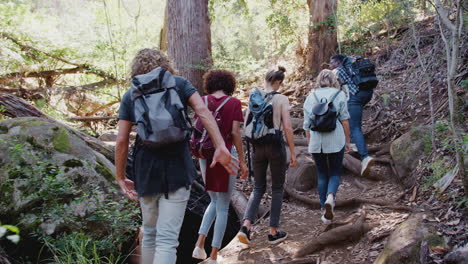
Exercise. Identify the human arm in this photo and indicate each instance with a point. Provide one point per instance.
(345, 124)
(121, 154)
(222, 154)
(288, 131)
(344, 119)
(237, 141)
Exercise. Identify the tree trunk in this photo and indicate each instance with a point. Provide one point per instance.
(189, 38)
(322, 35)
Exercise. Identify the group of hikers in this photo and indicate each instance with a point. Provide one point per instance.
(167, 139)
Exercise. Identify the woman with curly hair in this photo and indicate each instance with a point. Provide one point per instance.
(162, 177)
(219, 85)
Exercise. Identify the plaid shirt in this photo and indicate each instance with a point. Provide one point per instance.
(344, 78)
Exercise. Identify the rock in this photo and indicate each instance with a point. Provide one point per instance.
(405, 242)
(407, 150)
(303, 177)
(457, 256)
(53, 185)
(110, 135)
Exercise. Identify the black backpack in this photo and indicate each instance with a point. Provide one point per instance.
(324, 114)
(362, 72)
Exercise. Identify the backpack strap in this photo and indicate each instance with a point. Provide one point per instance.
(334, 96)
(222, 104)
(161, 77)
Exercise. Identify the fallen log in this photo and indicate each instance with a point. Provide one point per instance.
(42, 74)
(17, 107)
(300, 142)
(91, 118)
(349, 203)
(352, 164)
(341, 234)
(239, 203)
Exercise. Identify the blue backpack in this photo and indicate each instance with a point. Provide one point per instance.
(259, 127)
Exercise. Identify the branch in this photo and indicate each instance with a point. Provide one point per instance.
(91, 118)
(85, 67)
(443, 14)
(37, 74)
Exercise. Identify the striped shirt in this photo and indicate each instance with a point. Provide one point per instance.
(345, 79)
(326, 142)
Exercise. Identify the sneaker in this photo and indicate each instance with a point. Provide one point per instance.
(278, 238)
(212, 261)
(366, 164)
(353, 147)
(199, 253)
(329, 206)
(325, 221)
(244, 235)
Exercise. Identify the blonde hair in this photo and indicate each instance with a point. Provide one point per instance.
(327, 78)
(148, 59)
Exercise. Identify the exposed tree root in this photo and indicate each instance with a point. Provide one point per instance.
(346, 233)
(350, 203)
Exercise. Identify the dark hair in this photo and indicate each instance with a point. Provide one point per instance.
(215, 80)
(338, 57)
(273, 76)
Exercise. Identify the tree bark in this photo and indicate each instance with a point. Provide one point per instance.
(189, 38)
(322, 35)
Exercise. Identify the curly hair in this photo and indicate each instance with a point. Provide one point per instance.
(148, 59)
(327, 78)
(273, 76)
(215, 80)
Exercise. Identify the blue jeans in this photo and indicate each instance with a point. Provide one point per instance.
(162, 220)
(219, 209)
(356, 105)
(329, 167)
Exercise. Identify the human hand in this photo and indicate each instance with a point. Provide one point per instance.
(293, 162)
(347, 148)
(244, 170)
(224, 157)
(128, 189)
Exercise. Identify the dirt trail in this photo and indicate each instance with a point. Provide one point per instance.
(303, 225)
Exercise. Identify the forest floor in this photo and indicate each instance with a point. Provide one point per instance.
(303, 224)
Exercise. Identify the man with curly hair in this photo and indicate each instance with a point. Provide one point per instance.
(163, 178)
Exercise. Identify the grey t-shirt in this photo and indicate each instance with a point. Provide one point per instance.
(169, 168)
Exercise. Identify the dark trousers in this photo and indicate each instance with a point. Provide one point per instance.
(275, 156)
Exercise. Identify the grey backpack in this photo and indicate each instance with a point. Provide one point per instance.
(159, 113)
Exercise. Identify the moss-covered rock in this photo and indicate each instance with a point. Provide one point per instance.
(52, 184)
(405, 242)
(407, 150)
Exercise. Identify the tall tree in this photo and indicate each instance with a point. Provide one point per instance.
(322, 35)
(189, 38)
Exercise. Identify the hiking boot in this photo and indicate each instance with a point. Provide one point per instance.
(329, 206)
(366, 165)
(199, 253)
(244, 235)
(278, 238)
